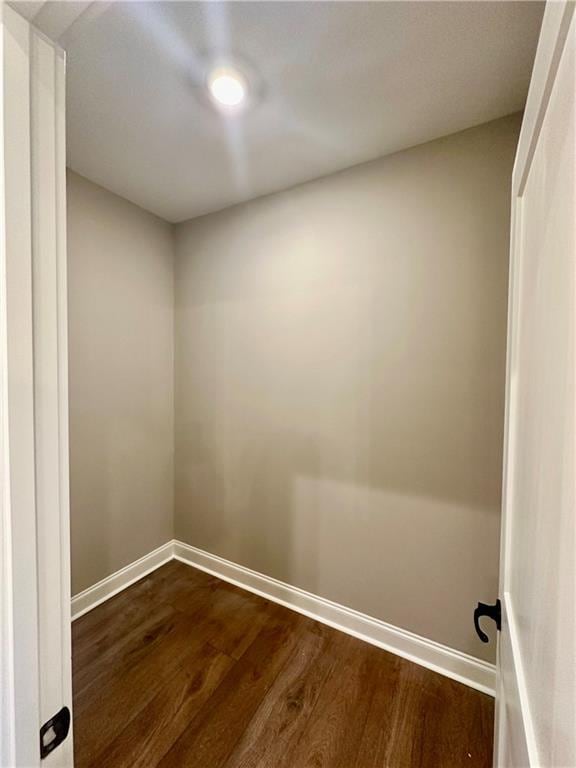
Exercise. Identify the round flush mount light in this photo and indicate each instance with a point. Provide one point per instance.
(228, 88)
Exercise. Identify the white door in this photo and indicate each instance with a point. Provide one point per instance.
(35, 552)
(536, 722)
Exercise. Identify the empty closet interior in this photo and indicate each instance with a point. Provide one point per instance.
(287, 349)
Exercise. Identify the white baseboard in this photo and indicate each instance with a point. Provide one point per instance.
(454, 664)
(111, 585)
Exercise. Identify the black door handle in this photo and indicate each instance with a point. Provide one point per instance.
(493, 612)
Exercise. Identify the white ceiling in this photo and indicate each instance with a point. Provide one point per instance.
(339, 83)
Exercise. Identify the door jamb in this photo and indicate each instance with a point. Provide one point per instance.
(35, 663)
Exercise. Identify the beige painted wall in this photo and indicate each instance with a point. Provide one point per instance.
(340, 352)
(121, 285)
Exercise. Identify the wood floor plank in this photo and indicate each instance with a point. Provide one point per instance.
(230, 621)
(374, 749)
(103, 711)
(334, 731)
(284, 711)
(237, 620)
(148, 737)
(211, 737)
(439, 721)
(107, 657)
(133, 605)
(183, 669)
(236, 617)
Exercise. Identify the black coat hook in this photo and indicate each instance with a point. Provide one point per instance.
(493, 612)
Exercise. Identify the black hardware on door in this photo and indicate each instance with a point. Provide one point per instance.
(493, 612)
(54, 731)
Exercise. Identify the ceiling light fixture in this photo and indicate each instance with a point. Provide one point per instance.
(228, 88)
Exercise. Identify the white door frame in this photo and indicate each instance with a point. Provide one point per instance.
(558, 16)
(19, 684)
(35, 660)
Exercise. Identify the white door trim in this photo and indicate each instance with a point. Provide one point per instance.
(49, 268)
(20, 669)
(35, 657)
(558, 17)
(555, 24)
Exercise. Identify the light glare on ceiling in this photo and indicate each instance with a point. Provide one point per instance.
(228, 88)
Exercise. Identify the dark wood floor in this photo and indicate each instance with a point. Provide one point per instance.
(183, 669)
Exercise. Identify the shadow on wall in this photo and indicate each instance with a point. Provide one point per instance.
(410, 560)
(340, 353)
(263, 482)
(327, 458)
